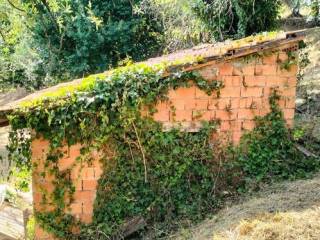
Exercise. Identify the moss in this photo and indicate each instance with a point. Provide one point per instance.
(88, 82)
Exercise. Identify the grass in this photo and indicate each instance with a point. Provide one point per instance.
(283, 225)
(282, 211)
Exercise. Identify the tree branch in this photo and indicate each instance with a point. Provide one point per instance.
(45, 4)
(142, 152)
(2, 36)
(14, 6)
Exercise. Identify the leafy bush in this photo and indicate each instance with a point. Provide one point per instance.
(268, 152)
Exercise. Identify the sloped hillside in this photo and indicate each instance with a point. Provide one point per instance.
(289, 210)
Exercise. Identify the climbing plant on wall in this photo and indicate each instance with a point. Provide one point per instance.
(158, 176)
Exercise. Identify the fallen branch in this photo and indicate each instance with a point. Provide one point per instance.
(305, 151)
(128, 228)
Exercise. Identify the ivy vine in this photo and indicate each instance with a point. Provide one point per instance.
(148, 163)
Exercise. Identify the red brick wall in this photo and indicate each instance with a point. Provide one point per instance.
(83, 176)
(247, 87)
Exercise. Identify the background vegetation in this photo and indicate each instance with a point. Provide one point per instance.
(48, 41)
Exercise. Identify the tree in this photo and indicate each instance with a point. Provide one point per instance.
(181, 26)
(236, 19)
(78, 37)
(18, 61)
(315, 10)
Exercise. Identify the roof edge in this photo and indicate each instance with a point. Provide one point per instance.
(207, 59)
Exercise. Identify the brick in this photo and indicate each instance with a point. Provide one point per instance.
(282, 103)
(213, 104)
(39, 148)
(230, 92)
(282, 56)
(236, 137)
(251, 92)
(288, 113)
(288, 92)
(182, 93)
(225, 126)
(77, 184)
(275, 81)
(226, 69)
(236, 81)
(88, 209)
(86, 218)
(290, 123)
(200, 94)
(248, 125)
(76, 208)
(271, 59)
(292, 82)
(161, 116)
(258, 71)
(235, 103)
(89, 184)
(291, 72)
(266, 70)
(162, 106)
(233, 125)
(267, 92)
(41, 234)
(65, 163)
(190, 104)
(224, 104)
(243, 103)
(237, 71)
(248, 70)
(177, 104)
(246, 114)
(74, 151)
(202, 115)
(201, 104)
(85, 196)
(76, 172)
(290, 103)
(264, 111)
(254, 103)
(87, 173)
(232, 81)
(226, 115)
(98, 171)
(37, 197)
(227, 81)
(210, 72)
(181, 115)
(255, 81)
(236, 125)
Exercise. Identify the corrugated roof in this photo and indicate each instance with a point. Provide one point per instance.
(207, 52)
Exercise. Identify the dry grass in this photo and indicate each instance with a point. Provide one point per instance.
(289, 210)
(280, 226)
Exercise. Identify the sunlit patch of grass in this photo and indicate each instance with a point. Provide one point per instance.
(294, 225)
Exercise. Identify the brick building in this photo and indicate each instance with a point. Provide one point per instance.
(249, 69)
